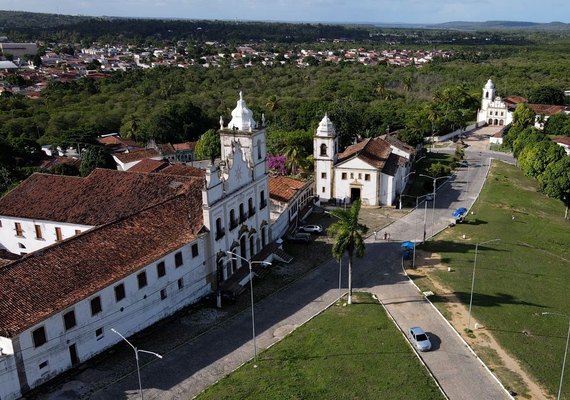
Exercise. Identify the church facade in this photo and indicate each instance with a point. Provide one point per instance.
(374, 170)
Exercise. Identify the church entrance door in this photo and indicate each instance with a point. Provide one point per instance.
(354, 194)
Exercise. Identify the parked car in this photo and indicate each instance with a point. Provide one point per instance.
(299, 237)
(419, 338)
(311, 229)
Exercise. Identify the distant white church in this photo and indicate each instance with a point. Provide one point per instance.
(498, 111)
(375, 170)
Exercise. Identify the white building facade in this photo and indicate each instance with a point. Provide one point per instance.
(374, 170)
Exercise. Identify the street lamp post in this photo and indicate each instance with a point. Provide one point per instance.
(137, 351)
(565, 351)
(435, 178)
(250, 263)
(403, 179)
(473, 280)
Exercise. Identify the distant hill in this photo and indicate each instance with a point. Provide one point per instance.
(502, 25)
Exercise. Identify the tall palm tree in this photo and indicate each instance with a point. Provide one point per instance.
(348, 233)
(294, 158)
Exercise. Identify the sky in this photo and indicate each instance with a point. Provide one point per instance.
(380, 11)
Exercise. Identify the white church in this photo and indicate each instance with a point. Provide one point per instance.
(122, 250)
(375, 170)
(498, 111)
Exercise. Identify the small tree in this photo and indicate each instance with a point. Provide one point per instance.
(208, 146)
(523, 116)
(555, 182)
(348, 233)
(95, 157)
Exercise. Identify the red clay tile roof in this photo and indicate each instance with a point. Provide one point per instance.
(137, 155)
(397, 143)
(373, 151)
(149, 165)
(166, 148)
(114, 140)
(546, 109)
(104, 196)
(562, 140)
(284, 188)
(47, 281)
(513, 100)
(183, 170)
(184, 146)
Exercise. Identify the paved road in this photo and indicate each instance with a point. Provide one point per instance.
(194, 366)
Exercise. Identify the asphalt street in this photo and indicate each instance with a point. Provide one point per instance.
(192, 367)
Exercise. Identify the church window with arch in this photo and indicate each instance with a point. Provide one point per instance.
(323, 149)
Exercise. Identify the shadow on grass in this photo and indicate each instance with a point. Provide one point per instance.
(488, 300)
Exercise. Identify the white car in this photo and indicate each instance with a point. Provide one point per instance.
(311, 229)
(419, 338)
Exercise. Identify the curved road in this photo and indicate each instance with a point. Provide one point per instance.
(192, 367)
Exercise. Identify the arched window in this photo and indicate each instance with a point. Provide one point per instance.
(323, 149)
(501, 122)
(496, 122)
(486, 95)
(490, 121)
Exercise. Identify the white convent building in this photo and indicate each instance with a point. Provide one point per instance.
(375, 170)
(122, 250)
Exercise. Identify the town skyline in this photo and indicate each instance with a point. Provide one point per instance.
(311, 11)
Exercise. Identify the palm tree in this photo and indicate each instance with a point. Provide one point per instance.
(294, 158)
(348, 234)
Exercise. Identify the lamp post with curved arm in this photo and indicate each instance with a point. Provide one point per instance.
(565, 351)
(435, 178)
(250, 263)
(137, 351)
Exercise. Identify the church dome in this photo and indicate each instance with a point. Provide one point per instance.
(490, 85)
(326, 127)
(242, 116)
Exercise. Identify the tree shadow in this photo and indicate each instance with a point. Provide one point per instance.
(490, 300)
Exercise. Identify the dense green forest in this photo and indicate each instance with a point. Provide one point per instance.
(176, 104)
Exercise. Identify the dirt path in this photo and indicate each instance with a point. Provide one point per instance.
(482, 342)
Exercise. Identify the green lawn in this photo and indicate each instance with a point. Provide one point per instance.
(352, 352)
(524, 274)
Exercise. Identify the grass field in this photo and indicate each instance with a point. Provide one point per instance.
(351, 352)
(519, 277)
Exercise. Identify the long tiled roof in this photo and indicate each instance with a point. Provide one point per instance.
(565, 140)
(50, 280)
(102, 197)
(137, 155)
(284, 188)
(149, 165)
(374, 151)
(546, 109)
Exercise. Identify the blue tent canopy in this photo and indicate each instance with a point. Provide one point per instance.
(407, 245)
(459, 212)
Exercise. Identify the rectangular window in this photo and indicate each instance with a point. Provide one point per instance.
(323, 175)
(141, 278)
(44, 364)
(58, 236)
(323, 190)
(180, 283)
(344, 175)
(19, 231)
(69, 320)
(178, 259)
(99, 333)
(163, 294)
(96, 305)
(351, 175)
(160, 269)
(366, 177)
(38, 231)
(39, 336)
(120, 292)
(195, 250)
